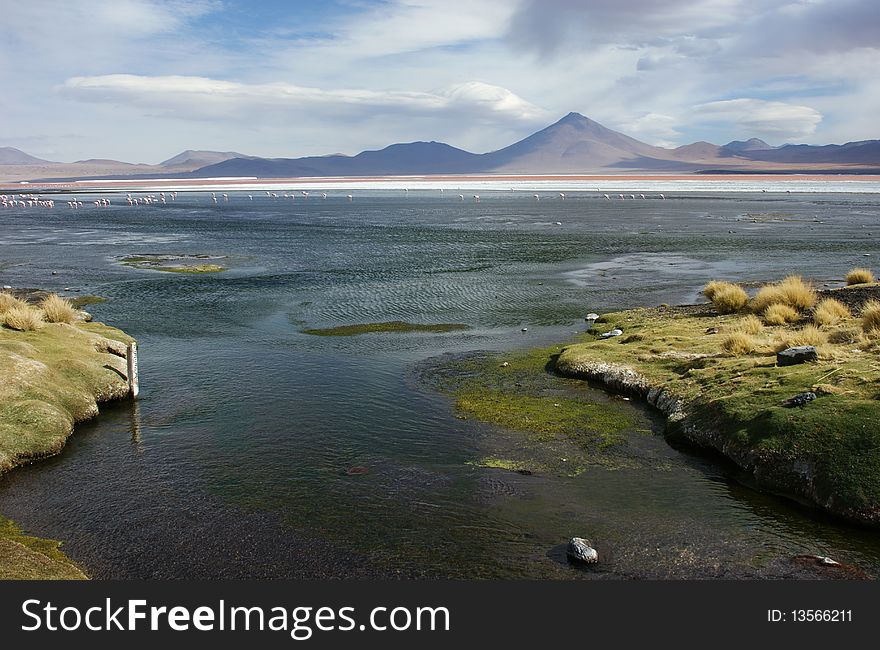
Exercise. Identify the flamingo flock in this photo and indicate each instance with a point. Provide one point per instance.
(33, 200)
(25, 201)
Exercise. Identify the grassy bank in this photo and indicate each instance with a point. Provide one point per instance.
(54, 375)
(715, 376)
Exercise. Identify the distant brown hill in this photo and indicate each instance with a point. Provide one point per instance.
(574, 144)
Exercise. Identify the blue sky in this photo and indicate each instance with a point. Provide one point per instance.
(141, 80)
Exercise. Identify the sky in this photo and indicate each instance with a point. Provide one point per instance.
(142, 80)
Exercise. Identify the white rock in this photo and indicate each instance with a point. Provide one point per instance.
(579, 551)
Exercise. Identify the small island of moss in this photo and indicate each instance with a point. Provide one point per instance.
(195, 264)
(397, 326)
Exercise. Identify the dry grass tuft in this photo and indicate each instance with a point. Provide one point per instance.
(710, 289)
(860, 276)
(23, 318)
(58, 309)
(729, 298)
(793, 291)
(830, 312)
(808, 335)
(8, 301)
(768, 296)
(798, 293)
(871, 317)
(778, 314)
(738, 344)
(846, 337)
(747, 325)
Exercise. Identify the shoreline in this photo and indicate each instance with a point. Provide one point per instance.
(55, 377)
(569, 182)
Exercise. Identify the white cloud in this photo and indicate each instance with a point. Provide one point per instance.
(756, 117)
(199, 97)
(654, 128)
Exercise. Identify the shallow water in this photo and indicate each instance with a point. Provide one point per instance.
(234, 461)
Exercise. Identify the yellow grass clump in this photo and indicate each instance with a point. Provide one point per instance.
(830, 312)
(58, 309)
(713, 286)
(747, 325)
(871, 317)
(860, 276)
(729, 298)
(8, 301)
(23, 318)
(793, 291)
(778, 314)
(738, 344)
(807, 335)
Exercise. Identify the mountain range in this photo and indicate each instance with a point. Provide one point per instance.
(574, 144)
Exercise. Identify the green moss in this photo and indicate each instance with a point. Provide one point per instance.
(396, 326)
(545, 416)
(53, 378)
(23, 557)
(84, 301)
(502, 463)
(198, 268)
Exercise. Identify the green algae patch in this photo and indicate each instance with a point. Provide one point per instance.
(545, 416)
(195, 264)
(827, 452)
(84, 301)
(396, 326)
(542, 422)
(23, 557)
(502, 463)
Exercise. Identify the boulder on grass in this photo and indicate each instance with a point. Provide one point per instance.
(796, 355)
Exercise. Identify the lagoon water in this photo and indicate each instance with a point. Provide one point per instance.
(234, 462)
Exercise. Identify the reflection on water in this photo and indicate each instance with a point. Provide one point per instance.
(237, 459)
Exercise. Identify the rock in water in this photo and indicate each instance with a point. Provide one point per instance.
(796, 355)
(579, 551)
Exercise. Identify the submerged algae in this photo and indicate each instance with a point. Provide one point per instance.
(397, 326)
